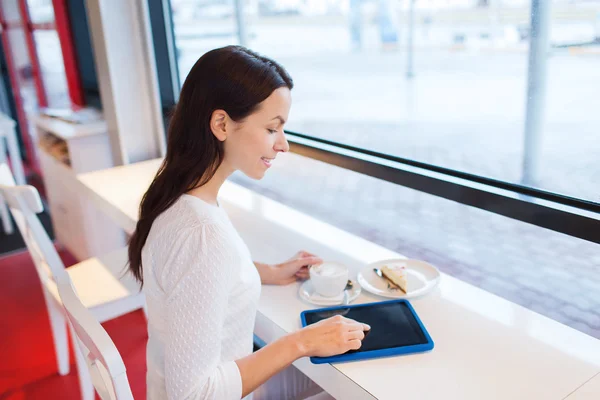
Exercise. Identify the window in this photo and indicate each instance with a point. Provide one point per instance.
(20, 68)
(450, 88)
(498, 91)
(53, 69)
(49, 53)
(34, 64)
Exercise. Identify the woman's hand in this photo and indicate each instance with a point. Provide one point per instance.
(288, 271)
(331, 336)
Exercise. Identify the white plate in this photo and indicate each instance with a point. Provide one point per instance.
(308, 294)
(421, 278)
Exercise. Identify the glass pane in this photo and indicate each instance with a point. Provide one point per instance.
(24, 74)
(569, 149)
(10, 10)
(553, 274)
(465, 106)
(200, 26)
(53, 68)
(40, 11)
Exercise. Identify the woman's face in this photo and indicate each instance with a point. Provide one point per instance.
(252, 144)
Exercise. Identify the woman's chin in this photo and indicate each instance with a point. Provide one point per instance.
(256, 175)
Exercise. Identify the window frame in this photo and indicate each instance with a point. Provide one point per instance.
(563, 214)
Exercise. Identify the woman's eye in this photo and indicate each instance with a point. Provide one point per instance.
(272, 131)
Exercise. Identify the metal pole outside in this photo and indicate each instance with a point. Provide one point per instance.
(240, 22)
(410, 47)
(536, 88)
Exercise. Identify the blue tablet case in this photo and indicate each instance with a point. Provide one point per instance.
(394, 351)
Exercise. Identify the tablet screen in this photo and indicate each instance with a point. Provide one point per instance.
(392, 325)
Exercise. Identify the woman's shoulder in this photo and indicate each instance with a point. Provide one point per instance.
(186, 240)
(189, 219)
(178, 238)
(185, 214)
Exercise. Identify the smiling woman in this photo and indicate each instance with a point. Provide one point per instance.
(201, 285)
(219, 125)
(252, 142)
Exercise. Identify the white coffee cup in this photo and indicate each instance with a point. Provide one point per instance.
(329, 279)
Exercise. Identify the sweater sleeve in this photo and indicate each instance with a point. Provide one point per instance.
(196, 278)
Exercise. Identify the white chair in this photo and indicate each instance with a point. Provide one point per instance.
(5, 216)
(102, 283)
(97, 350)
(8, 132)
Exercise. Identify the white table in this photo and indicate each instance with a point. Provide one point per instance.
(588, 391)
(8, 133)
(485, 347)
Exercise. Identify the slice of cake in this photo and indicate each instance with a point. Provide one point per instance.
(396, 274)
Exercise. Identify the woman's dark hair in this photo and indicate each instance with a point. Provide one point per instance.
(231, 78)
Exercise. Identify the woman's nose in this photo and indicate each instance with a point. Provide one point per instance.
(282, 143)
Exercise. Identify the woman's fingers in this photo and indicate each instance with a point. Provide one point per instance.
(356, 333)
(305, 261)
(357, 326)
(301, 275)
(306, 254)
(355, 344)
(360, 335)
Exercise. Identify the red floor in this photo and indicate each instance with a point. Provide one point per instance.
(27, 361)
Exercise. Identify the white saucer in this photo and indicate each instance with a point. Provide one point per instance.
(308, 294)
(421, 278)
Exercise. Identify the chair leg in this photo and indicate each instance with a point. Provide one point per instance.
(86, 386)
(122, 388)
(5, 215)
(58, 326)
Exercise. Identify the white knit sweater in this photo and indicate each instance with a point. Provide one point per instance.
(202, 291)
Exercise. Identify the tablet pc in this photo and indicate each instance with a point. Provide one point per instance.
(395, 329)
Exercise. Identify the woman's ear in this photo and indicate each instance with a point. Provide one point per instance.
(219, 124)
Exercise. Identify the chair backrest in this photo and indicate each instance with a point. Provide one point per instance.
(102, 358)
(24, 203)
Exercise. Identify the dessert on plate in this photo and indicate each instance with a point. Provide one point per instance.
(396, 274)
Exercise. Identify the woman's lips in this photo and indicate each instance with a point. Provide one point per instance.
(267, 161)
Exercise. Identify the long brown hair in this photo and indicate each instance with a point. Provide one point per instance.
(231, 78)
